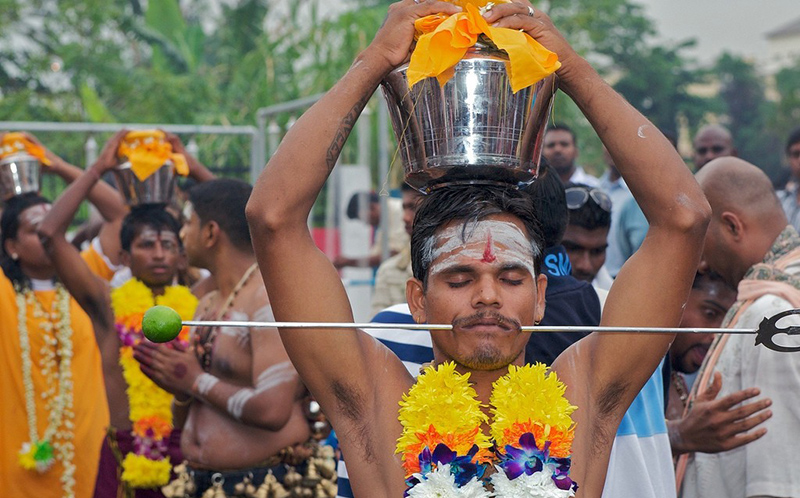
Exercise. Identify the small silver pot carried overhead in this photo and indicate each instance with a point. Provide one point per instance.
(473, 129)
(20, 173)
(157, 188)
(152, 185)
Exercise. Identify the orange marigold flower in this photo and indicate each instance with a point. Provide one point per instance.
(560, 441)
(160, 427)
(461, 443)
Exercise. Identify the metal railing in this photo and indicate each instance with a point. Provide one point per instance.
(91, 147)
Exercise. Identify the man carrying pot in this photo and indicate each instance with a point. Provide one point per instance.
(476, 254)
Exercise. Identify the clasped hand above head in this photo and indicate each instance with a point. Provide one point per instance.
(395, 40)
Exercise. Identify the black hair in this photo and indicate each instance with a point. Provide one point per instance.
(9, 227)
(566, 128)
(469, 204)
(154, 216)
(549, 204)
(709, 278)
(223, 201)
(359, 201)
(404, 187)
(794, 137)
(590, 216)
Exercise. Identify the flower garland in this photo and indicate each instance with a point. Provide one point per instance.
(445, 454)
(56, 444)
(147, 466)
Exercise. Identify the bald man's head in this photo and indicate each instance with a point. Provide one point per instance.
(746, 216)
(710, 142)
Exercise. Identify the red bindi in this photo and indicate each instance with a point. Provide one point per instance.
(488, 252)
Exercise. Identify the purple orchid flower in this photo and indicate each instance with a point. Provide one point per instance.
(462, 467)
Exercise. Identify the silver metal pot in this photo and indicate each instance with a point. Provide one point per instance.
(20, 173)
(157, 188)
(471, 130)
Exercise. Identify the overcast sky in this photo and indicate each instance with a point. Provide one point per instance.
(718, 25)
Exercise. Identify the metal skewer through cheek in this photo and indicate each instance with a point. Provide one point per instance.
(440, 326)
(765, 332)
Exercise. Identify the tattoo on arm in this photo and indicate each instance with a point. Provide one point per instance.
(343, 132)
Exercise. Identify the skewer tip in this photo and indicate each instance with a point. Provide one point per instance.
(161, 324)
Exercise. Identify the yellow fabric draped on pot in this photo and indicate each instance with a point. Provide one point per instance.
(443, 40)
(147, 151)
(16, 142)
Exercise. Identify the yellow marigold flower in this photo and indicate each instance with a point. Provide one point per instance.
(130, 298)
(441, 402)
(145, 399)
(140, 472)
(529, 394)
(180, 299)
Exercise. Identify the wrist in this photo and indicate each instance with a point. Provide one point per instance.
(203, 384)
(575, 73)
(182, 400)
(676, 441)
(373, 60)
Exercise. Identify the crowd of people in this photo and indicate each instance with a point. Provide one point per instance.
(92, 408)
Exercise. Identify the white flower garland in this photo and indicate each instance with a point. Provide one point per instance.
(57, 441)
(537, 485)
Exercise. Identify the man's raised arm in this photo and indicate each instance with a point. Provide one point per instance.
(90, 291)
(302, 284)
(652, 287)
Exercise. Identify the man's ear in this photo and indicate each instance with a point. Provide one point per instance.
(415, 295)
(211, 233)
(733, 225)
(541, 288)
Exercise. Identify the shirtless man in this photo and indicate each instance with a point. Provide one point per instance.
(150, 247)
(239, 395)
(359, 382)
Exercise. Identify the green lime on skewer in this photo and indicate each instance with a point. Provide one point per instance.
(161, 324)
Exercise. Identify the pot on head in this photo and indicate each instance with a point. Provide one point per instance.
(473, 129)
(157, 188)
(20, 173)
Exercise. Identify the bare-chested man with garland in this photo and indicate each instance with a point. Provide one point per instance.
(238, 398)
(358, 381)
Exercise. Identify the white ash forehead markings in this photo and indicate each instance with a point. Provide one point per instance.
(509, 243)
(503, 233)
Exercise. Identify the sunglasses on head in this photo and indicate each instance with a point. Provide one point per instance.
(578, 196)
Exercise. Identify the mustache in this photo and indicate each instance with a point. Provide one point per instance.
(503, 321)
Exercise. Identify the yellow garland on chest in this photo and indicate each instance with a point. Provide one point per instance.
(442, 407)
(150, 407)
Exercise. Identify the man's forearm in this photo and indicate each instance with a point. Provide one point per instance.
(648, 162)
(245, 404)
(59, 218)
